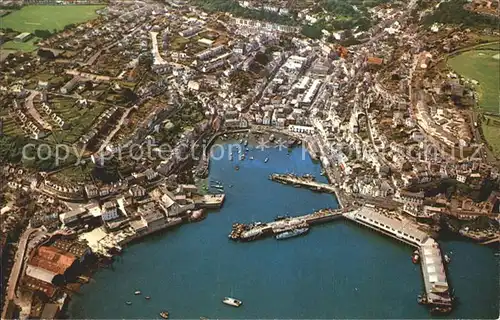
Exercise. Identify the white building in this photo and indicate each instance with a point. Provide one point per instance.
(301, 129)
(109, 211)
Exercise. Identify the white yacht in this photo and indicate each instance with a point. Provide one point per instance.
(232, 302)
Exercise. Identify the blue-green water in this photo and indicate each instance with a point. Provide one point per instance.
(338, 270)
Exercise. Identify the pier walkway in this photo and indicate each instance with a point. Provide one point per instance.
(307, 182)
(398, 228)
(437, 291)
(249, 232)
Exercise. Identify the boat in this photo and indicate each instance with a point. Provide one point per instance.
(230, 157)
(266, 160)
(237, 168)
(251, 158)
(241, 141)
(242, 157)
(278, 218)
(421, 299)
(164, 314)
(232, 302)
(292, 233)
(137, 292)
(246, 143)
(271, 138)
(128, 303)
(441, 310)
(203, 318)
(415, 258)
(148, 297)
(447, 259)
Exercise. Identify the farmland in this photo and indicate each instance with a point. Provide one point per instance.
(482, 64)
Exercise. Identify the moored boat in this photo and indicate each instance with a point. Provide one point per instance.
(164, 314)
(277, 218)
(292, 233)
(232, 302)
(422, 299)
(415, 258)
(447, 259)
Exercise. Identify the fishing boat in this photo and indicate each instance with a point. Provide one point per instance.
(415, 258)
(137, 292)
(266, 160)
(292, 233)
(447, 259)
(164, 314)
(128, 303)
(232, 302)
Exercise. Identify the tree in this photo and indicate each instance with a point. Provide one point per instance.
(46, 54)
(146, 60)
(44, 34)
(313, 31)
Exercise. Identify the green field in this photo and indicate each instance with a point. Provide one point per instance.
(482, 64)
(27, 46)
(30, 18)
(491, 133)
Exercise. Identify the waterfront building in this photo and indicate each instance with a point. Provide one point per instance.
(52, 265)
(109, 211)
(301, 129)
(73, 216)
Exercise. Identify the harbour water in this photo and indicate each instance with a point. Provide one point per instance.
(338, 270)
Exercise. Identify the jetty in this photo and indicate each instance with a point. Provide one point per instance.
(309, 182)
(257, 230)
(437, 291)
(305, 181)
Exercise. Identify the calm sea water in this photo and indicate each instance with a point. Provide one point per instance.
(338, 270)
